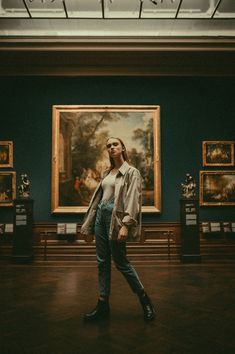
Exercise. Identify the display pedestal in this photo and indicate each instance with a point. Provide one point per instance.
(22, 251)
(190, 235)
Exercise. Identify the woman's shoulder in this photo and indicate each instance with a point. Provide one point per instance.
(133, 170)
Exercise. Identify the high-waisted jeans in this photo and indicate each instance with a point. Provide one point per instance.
(105, 248)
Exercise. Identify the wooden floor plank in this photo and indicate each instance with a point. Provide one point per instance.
(42, 309)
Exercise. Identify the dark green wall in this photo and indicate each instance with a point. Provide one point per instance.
(192, 110)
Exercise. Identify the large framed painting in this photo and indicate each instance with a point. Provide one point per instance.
(6, 154)
(218, 153)
(79, 135)
(217, 188)
(7, 188)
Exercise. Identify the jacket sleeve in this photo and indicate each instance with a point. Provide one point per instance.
(89, 218)
(132, 201)
(87, 227)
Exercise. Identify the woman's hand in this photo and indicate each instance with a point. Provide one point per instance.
(123, 232)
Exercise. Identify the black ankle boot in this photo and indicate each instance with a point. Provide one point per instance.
(100, 312)
(149, 311)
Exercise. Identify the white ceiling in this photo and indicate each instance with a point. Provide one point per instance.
(127, 18)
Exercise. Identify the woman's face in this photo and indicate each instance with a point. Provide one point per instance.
(114, 148)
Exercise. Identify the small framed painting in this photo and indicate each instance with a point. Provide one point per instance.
(218, 153)
(217, 188)
(6, 154)
(7, 188)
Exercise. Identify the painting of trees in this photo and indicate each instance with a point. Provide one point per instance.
(82, 149)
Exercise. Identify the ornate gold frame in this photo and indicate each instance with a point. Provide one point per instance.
(9, 145)
(204, 153)
(216, 196)
(9, 202)
(57, 110)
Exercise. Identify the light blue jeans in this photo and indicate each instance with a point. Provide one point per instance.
(105, 249)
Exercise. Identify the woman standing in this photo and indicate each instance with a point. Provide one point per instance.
(114, 215)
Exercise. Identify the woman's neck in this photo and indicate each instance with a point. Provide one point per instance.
(118, 163)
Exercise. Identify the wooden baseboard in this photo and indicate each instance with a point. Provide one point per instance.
(159, 242)
(150, 231)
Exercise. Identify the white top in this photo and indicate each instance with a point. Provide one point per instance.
(108, 186)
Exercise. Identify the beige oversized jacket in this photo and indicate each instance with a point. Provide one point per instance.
(127, 204)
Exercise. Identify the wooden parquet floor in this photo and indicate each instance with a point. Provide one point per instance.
(42, 308)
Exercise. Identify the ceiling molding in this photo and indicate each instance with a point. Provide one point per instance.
(117, 56)
(114, 43)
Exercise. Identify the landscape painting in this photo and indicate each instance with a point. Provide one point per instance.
(217, 188)
(79, 153)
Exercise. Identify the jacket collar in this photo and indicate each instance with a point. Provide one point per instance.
(123, 169)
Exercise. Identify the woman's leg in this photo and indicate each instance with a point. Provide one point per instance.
(118, 250)
(101, 311)
(103, 254)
